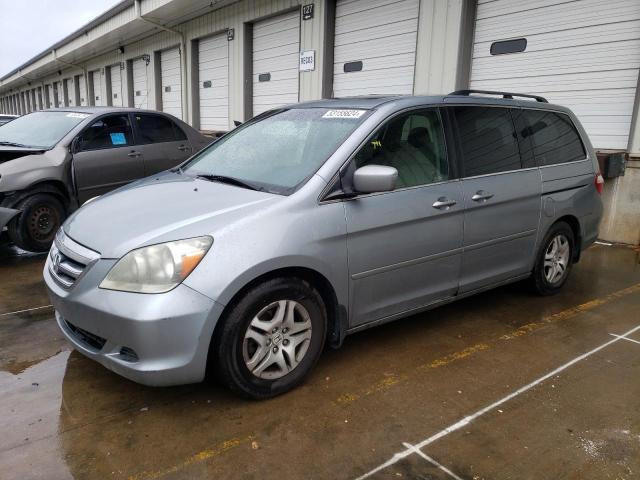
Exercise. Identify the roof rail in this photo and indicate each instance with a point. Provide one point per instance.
(508, 95)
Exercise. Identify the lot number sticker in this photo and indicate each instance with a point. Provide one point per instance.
(344, 113)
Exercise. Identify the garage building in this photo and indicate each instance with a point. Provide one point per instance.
(215, 62)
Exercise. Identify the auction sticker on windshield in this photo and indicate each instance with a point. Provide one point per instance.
(342, 113)
(77, 115)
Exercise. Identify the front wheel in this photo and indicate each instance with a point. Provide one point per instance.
(35, 227)
(554, 260)
(272, 338)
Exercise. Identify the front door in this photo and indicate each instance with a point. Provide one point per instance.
(405, 245)
(106, 157)
(501, 197)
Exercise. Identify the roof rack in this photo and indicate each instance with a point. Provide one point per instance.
(508, 95)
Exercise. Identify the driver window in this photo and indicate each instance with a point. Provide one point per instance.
(108, 132)
(412, 143)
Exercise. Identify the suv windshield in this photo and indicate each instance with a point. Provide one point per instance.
(277, 153)
(39, 129)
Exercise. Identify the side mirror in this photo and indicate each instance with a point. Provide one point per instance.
(375, 178)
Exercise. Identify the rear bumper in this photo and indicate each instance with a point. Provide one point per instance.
(155, 340)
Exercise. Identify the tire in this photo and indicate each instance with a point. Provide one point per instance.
(251, 345)
(35, 227)
(554, 260)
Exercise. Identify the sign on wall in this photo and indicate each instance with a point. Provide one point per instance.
(307, 60)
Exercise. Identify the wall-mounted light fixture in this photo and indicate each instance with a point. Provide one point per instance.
(121, 50)
(146, 58)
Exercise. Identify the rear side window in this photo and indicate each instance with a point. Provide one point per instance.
(487, 140)
(553, 137)
(112, 131)
(157, 129)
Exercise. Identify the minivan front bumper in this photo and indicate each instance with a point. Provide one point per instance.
(153, 339)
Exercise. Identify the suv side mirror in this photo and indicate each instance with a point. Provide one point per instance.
(375, 178)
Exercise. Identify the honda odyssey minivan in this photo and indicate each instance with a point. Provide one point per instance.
(318, 220)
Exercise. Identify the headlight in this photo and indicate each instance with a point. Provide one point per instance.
(157, 268)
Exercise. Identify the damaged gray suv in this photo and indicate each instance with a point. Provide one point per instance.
(318, 220)
(53, 161)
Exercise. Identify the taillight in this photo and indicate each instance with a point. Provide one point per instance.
(599, 182)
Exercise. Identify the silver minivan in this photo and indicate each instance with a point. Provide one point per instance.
(318, 220)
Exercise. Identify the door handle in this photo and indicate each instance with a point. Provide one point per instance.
(184, 148)
(443, 203)
(481, 196)
(133, 153)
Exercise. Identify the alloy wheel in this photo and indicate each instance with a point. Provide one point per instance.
(277, 339)
(556, 259)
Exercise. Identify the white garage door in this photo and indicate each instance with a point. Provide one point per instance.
(71, 92)
(375, 47)
(96, 78)
(115, 73)
(83, 91)
(276, 52)
(140, 86)
(213, 81)
(171, 82)
(583, 54)
(60, 90)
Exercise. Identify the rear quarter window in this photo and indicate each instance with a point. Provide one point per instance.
(553, 137)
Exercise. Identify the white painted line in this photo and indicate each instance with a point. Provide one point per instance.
(432, 461)
(606, 244)
(470, 418)
(625, 338)
(25, 310)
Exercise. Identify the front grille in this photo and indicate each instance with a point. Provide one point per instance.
(68, 260)
(94, 341)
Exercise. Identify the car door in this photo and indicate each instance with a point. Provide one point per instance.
(162, 142)
(405, 245)
(105, 157)
(501, 192)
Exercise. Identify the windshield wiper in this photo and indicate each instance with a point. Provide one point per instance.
(13, 144)
(229, 180)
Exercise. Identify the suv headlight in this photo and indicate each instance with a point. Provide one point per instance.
(157, 268)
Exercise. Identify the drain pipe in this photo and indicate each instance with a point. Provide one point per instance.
(183, 56)
(85, 74)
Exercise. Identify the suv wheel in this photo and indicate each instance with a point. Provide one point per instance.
(38, 222)
(272, 338)
(554, 260)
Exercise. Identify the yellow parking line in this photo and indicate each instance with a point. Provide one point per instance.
(386, 383)
(207, 454)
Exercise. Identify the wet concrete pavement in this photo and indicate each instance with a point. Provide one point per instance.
(64, 416)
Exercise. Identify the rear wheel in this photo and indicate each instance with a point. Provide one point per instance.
(554, 260)
(272, 338)
(34, 229)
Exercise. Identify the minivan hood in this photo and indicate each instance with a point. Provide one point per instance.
(162, 208)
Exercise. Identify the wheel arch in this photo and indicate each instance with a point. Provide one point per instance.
(336, 313)
(53, 187)
(574, 223)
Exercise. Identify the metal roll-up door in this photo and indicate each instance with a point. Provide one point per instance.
(213, 82)
(140, 86)
(276, 51)
(583, 54)
(52, 96)
(171, 82)
(96, 78)
(71, 92)
(82, 89)
(115, 74)
(375, 47)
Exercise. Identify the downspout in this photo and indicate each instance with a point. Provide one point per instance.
(183, 55)
(85, 74)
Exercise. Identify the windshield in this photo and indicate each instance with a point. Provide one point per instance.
(279, 152)
(39, 129)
